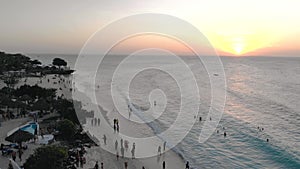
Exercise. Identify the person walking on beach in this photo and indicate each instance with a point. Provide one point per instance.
(164, 165)
(99, 121)
(121, 142)
(129, 111)
(81, 161)
(115, 128)
(118, 127)
(102, 166)
(116, 145)
(165, 143)
(14, 155)
(10, 166)
(126, 144)
(104, 139)
(129, 114)
(126, 165)
(20, 154)
(96, 165)
(117, 155)
(159, 150)
(122, 151)
(115, 125)
(133, 151)
(187, 165)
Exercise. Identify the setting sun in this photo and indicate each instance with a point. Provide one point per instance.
(238, 49)
(242, 43)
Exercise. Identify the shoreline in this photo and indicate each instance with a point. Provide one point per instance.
(173, 159)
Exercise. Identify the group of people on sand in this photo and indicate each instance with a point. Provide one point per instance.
(124, 145)
(10, 166)
(80, 159)
(14, 155)
(164, 165)
(19, 153)
(159, 151)
(102, 165)
(11, 115)
(95, 121)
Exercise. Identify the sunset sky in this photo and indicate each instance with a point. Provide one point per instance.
(234, 27)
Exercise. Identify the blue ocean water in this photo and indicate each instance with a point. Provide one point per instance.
(262, 92)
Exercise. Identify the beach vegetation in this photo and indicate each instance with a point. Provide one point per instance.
(47, 157)
(67, 129)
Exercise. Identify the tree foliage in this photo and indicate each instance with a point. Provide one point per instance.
(16, 62)
(66, 109)
(35, 91)
(59, 62)
(48, 157)
(36, 62)
(67, 129)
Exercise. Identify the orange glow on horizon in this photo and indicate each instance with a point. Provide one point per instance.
(136, 43)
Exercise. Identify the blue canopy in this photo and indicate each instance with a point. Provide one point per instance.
(30, 128)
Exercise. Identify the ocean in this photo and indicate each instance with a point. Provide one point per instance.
(262, 93)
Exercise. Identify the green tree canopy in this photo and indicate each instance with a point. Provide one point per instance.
(36, 62)
(15, 62)
(66, 109)
(48, 157)
(67, 129)
(59, 62)
(35, 91)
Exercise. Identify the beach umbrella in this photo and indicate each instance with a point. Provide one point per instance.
(19, 136)
(23, 133)
(31, 128)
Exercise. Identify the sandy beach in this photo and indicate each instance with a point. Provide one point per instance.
(173, 161)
